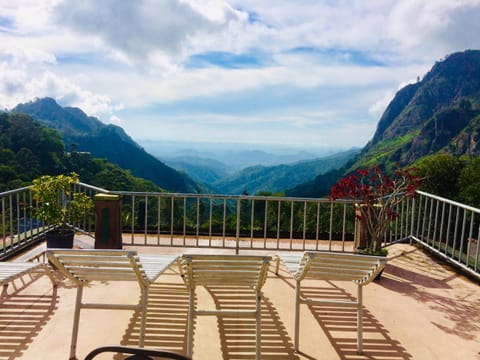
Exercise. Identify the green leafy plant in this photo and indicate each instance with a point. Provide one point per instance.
(376, 195)
(57, 204)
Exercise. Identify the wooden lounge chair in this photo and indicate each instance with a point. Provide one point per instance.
(10, 271)
(361, 269)
(82, 266)
(225, 270)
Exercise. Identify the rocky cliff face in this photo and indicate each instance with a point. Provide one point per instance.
(437, 114)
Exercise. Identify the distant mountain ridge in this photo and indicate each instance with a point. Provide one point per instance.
(439, 114)
(278, 178)
(85, 133)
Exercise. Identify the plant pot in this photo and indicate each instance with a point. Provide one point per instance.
(60, 239)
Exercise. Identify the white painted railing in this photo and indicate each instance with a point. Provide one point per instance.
(447, 228)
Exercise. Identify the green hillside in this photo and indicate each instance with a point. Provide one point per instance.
(87, 134)
(29, 149)
(438, 115)
(277, 178)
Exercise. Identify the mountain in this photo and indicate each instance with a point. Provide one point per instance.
(439, 114)
(29, 149)
(84, 133)
(280, 177)
(203, 170)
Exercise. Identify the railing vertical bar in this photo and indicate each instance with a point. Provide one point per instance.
(304, 235)
(4, 234)
(412, 219)
(478, 248)
(210, 222)
(470, 238)
(159, 219)
(133, 220)
(462, 236)
(403, 229)
(184, 220)
(425, 212)
(145, 240)
(10, 199)
(252, 221)
(442, 221)
(265, 225)
(172, 218)
(279, 214)
(198, 220)
(419, 202)
(344, 224)
(455, 232)
(330, 230)
(291, 224)
(447, 241)
(224, 220)
(24, 210)
(237, 232)
(431, 231)
(437, 203)
(317, 227)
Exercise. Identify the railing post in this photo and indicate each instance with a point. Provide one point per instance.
(237, 249)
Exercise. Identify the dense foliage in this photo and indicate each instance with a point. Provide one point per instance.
(28, 150)
(88, 134)
(455, 178)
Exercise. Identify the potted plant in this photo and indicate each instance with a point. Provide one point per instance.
(58, 206)
(376, 197)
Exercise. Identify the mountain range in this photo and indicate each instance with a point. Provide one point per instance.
(88, 134)
(438, 114)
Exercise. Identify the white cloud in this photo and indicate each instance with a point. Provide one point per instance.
(98, 55)
(154, 31)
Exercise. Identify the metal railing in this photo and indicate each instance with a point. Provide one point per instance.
(19, 228)
(447, 228)
(236, 222)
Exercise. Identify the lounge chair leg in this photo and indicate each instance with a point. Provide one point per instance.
(258, 326)
(143, 320)
(49, 273)
(76, 323)
(360, 319)
(191, 310)
(297, 316)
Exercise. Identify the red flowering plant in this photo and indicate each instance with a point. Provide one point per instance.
(376, 195)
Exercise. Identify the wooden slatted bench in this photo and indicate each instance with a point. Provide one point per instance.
(225, 270)
(83, 266)
(318, 265)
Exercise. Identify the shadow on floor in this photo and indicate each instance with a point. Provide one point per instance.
(340, 326)
(22, 316)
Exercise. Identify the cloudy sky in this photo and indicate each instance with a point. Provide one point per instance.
(305, 73)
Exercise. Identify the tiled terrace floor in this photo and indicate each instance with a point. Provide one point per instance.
(419, 309)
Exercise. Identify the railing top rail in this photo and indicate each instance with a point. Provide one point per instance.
(225, 196)
(451, 202)
(95, 188)
(15, 191)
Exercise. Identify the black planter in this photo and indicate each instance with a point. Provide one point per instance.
(60, 239)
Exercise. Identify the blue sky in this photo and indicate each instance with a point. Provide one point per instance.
(307, 73)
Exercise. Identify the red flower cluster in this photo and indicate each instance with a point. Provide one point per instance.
(377, 195)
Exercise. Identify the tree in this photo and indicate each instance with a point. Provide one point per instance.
(440, 173)
(469, 183)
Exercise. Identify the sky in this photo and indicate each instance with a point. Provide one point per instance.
(305, 73)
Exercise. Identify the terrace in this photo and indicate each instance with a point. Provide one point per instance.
(425, 305)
